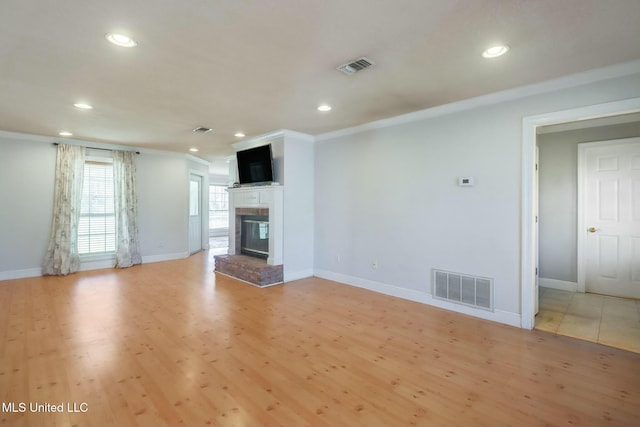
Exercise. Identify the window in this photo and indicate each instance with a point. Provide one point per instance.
(218, 207)
(194, 198)
(97, 228)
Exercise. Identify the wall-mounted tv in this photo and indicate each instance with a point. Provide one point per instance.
(255, 165)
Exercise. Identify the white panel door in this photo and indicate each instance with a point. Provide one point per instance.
(612, 218)
(195, 214)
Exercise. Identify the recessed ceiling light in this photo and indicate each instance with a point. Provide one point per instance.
(324, 108)
(239, 135)
(121, 40)
(193, 149)
(495, 51)
(83, 106)
(65, 133)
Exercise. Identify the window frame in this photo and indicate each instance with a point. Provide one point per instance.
(222, 190)
(108, 254)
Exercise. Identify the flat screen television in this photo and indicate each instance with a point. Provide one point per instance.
(255, 165)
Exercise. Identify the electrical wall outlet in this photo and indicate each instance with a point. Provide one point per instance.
(374, 264)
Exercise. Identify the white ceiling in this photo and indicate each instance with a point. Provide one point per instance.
(261, 65)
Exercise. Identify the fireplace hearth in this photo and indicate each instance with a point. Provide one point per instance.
(252, 270)
(255, 238)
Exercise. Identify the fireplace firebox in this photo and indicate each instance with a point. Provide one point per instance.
(254, 235)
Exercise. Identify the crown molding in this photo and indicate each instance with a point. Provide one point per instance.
(566, 82)
(266, 138)
(19, 136)
(197, 159)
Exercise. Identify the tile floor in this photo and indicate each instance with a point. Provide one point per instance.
(597, 318)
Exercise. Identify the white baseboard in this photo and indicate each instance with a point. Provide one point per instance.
(558, 284)
(501, 316)
(164, 257)
(290, 276)
(20, 274)
(89, 265)
(37, 272)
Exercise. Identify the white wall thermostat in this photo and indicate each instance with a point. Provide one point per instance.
(466, 181)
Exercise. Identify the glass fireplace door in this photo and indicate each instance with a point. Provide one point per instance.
(254, 236)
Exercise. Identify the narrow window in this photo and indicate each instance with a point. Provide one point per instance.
(97, 229)
(218, 207)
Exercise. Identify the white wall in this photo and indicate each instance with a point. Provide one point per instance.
(162, 206)
(389, 194)
(298, 206)
(558, 171)
(217, 179)
(27, 170)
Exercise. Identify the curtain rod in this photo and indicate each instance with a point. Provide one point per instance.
(105, 149)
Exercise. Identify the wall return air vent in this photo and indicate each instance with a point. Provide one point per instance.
(356, 65)
(463, 289)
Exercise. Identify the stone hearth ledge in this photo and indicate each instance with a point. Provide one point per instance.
(254, 271)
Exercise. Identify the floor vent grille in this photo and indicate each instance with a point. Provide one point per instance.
(463, 289)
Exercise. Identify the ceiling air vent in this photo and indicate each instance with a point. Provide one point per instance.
(202, 129)
(355, 66)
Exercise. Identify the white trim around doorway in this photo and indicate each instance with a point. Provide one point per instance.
(529, 126)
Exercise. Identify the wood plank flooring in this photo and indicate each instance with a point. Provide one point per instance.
(172, 344)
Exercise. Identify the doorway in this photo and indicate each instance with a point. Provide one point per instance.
(530, 126)
(195, 213)
(564, 307)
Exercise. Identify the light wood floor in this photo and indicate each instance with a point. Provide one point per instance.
(172, 344)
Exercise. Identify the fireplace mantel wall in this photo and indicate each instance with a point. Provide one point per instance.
(293, 162)
(266, 197)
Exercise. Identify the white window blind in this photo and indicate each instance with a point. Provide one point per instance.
(97, 229)
(218, 207)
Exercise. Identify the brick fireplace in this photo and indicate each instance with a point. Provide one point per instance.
(254, 258)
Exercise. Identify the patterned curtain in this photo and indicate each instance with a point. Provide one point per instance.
(126, 206)
(62, 256)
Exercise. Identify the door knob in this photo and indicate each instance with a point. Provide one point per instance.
(592, 229)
